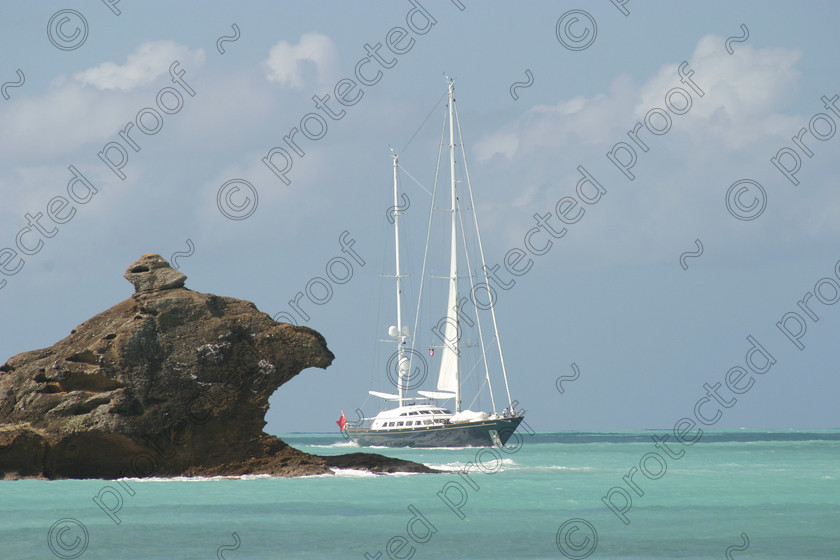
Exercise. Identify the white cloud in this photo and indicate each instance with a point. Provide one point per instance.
(141, 67)
(315, 56)
(73, 113)
(741, 86)
(744, 95)
(61, 121)
(731, 131)
(503, 143)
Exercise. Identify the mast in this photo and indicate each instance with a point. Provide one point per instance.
(400, 335)
(453, 269)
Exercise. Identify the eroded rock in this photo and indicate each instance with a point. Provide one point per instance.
(152, 273)
(167, 382)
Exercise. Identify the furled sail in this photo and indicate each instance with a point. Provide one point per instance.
(448, 376)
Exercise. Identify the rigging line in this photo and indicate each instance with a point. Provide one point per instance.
(477, 314)
(477, 394)
(380, 293)
(404, 170)
(424, 122)
(469, 376)
(481, 250)
(428, 234)
(380, 288)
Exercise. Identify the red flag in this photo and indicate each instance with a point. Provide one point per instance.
(341, 421)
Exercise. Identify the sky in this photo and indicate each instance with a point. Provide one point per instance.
(689, 150)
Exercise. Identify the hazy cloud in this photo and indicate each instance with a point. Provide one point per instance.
(315, 56)
(141, 67)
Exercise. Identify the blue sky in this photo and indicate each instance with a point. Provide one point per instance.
(611, 296)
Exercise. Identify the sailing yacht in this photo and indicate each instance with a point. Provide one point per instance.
(425, 420)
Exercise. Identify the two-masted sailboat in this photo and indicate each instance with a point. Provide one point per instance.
(423, 420)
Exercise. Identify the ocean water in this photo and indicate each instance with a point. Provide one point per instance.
(733, 494)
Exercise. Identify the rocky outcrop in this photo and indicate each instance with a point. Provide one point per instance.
(152, 273)
(168, 382)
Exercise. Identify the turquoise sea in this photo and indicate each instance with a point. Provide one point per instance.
(732, 494)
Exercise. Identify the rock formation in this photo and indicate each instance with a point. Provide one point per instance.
(168, 382)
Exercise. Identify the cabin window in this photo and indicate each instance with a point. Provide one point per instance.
(427, 422)
(399, 423)
(390, 424)
(402, 414)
